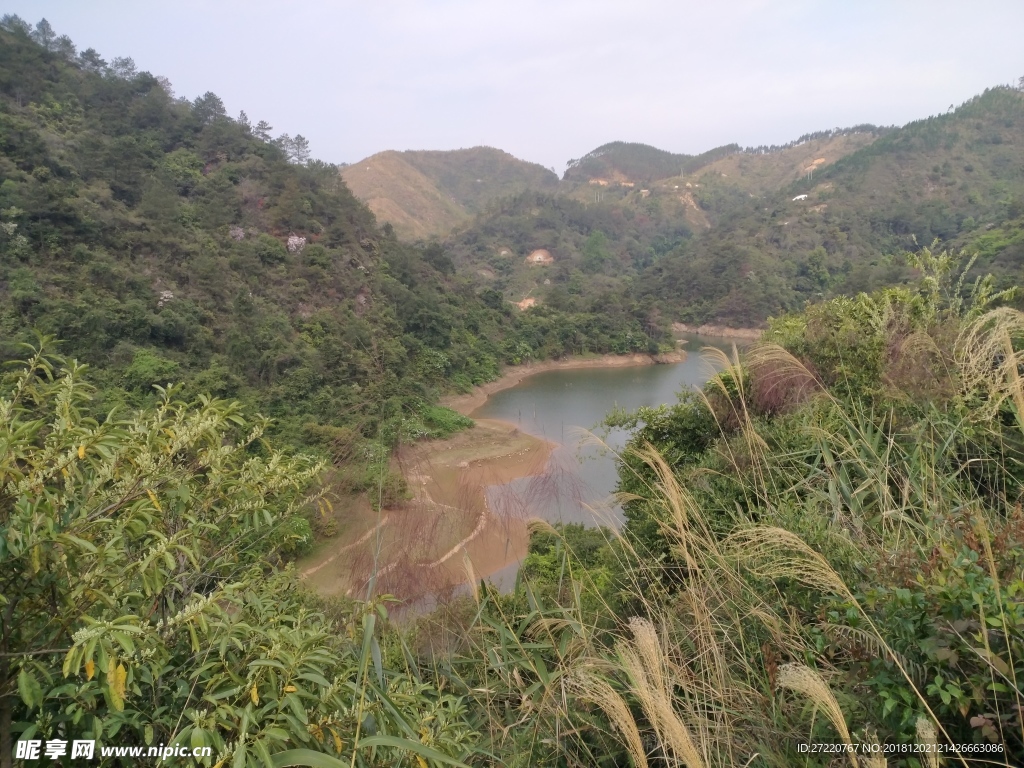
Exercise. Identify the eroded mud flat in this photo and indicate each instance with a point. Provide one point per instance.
(446, 534)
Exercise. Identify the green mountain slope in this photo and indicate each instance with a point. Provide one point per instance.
(840, 230)
(593, 251)
(427, 193)
(160, 241)
(625, 161)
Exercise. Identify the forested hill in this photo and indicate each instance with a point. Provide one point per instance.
(756, 233)
(841, 229)
(160, 240)
(625, 161)
(426, 193)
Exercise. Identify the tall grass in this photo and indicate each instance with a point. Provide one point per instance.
(758, 634)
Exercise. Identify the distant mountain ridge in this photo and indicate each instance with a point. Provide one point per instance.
(627, 161)
(762, 231)
(428, 193)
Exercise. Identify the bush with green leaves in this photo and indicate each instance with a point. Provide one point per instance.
(144, 598)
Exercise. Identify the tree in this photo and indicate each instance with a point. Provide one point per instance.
(165, 84)
(300, 149)
(12, 22)
(139, 604)
(286, 144)
(595, 252)
(65, 47)
(123, 68)
(262, 130)
(91, 61)
(243, 120)
(208, 108)
(44, 35)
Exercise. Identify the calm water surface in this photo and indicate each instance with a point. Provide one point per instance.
(566, 407)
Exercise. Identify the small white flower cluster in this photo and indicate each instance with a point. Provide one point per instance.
(296, 244)
(237, 233)
(86, 634)
(165, 298)
(185, 614)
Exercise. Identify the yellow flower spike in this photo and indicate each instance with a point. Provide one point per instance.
(254, 695)
(422, 762)
(90, 669)
(290, 689)
(81, 451)
(152, 497)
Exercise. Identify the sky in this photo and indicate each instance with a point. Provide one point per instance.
(550, 80)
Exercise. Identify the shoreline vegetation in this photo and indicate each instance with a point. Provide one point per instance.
(723, 332)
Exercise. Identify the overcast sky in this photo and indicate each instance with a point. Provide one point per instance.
(549, 80)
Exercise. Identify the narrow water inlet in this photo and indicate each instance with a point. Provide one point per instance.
(564, 406)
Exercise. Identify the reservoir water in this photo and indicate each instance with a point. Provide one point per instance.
(566, 407)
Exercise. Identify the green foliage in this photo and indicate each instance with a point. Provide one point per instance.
(881, 434)
(574, 566)
(639, 162)
(148, 369)
(140, 604)
(149, 235)
(941, 178)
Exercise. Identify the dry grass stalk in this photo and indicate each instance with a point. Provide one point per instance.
(686, 522)
(987, 361)
(471, 579)
(643, 660)
(601, 693)
(774, 553)
(804, 680)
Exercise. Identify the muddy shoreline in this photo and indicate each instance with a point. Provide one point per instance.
(447, 533)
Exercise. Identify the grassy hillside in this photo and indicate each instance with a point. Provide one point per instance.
(401, 195)
(755, 172)
(426, 193)
(829, 214)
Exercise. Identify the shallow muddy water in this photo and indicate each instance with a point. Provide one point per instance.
(565, 407)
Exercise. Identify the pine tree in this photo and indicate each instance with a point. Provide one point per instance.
(44, 35)
(262, 130)
(65, 47)
(209, 107)
(286, 144)
(12, 22)
(91, 61)
(300, 149)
